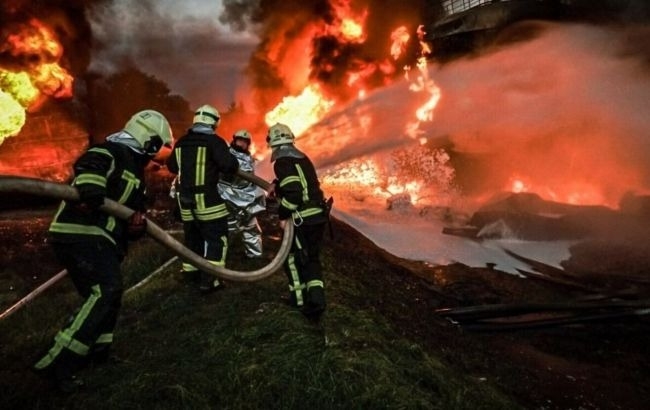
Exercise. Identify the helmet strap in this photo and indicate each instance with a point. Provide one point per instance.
(154, 145)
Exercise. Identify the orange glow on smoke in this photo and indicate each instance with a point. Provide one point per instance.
(571, 192)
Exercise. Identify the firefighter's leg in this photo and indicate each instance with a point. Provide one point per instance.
(215, 234)
(101, 349)
(94, 269)
(292, 269)
(252, 237)
(312, 236)
(194, 241)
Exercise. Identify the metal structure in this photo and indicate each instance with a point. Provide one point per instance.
(457, 6)
(467, 24)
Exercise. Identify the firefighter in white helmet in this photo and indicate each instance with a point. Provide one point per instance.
(302, 203)
(91, 244)
(243, 198)
(197, 159)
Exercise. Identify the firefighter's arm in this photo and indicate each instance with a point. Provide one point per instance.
(91, 175)
(172, 163)
(228, 163)
(288, 189)
(137, 225)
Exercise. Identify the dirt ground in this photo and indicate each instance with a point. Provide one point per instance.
(603, 364)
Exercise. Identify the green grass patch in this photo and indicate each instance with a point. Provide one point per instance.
(240, 348)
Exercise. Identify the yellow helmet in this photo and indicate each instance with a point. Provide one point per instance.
(243, 134)
(151, 129)
(207, 114)
(279, 134)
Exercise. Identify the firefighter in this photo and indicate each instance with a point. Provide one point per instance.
(302, 203)
(197, 159)
(243, 198)
(91, 243)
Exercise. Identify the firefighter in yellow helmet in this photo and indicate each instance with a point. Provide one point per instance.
(198, 159)
(91, 244)
(302, 203)
(243, 198)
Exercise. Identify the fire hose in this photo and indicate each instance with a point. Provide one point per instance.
(32, 186)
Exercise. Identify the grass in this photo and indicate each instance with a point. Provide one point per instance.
(240, 348)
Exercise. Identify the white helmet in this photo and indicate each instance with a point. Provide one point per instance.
(243, 134)
(279, 134)
(151, 129)
(208, 115)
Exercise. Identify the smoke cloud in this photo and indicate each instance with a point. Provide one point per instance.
(286, 29)
(196, 57)
(568, 108)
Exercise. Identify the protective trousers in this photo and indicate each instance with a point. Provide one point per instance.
(94, 267)
(303, 268)
(251, 234)
(208, 239)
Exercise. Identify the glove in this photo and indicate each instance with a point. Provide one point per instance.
(137, 225)
(270, 192)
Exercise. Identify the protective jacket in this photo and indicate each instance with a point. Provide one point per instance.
(240, 193)
(198, 159)
(110, 170)
(298, 190)
(301, 198)
(91, 245)
(244, 200)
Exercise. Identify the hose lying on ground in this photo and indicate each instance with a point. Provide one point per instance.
(66, 192)
(22, 302)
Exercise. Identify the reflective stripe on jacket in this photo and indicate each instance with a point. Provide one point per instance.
(199, 159)
(298, 190)
(116, 172)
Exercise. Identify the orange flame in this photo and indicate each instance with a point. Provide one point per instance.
(350, 25)
(400, 37)
(36, 48)
(302, 111)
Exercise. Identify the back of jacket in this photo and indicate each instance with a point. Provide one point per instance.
(299, 191)
(114, 171)
(198, 159)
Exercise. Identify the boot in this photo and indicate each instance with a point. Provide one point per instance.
(190, 277)
(315, 305)
(209, 283)
(61, 372)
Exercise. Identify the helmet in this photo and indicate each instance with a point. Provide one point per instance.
(151, 129)
(279, 134)
(207, 114)
(243, 134)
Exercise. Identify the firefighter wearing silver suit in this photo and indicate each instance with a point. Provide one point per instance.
(243, 198)
(91, 244)
(198, 159)
(302, 203)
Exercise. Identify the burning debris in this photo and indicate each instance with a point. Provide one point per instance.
(37, 136)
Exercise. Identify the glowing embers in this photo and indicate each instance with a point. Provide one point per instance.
(416, 173)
